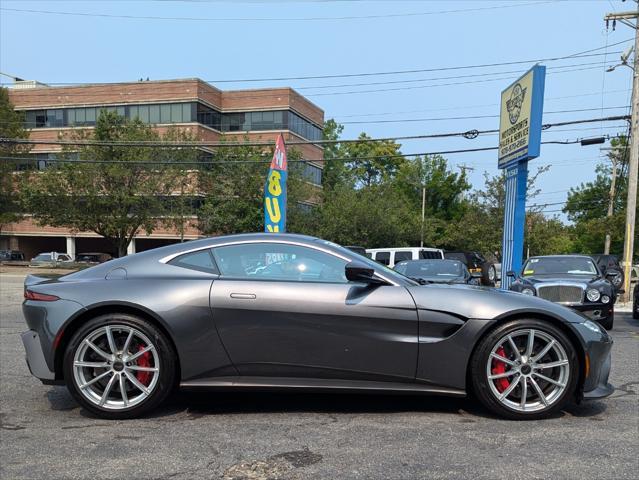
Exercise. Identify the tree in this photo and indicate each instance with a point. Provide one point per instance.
(335, 172)
(234, 186)
(480, 227)
(114, 191)
(444, 188)
(371, 163)
(11, 126)
(373, 216)
(587, 205)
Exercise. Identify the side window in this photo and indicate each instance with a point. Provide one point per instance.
(383, 258)
(202, 261)
(279, 261)
(399, 256)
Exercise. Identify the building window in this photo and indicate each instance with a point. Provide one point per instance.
(178, 113)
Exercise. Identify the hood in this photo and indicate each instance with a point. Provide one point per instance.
(468, 301)
(557, 278)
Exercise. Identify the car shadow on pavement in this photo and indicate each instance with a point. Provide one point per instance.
(195, 405)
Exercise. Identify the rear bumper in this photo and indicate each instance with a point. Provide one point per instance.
(35, 357)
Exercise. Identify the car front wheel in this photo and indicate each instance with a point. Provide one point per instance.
(119, 366)
(525, 369)
(609, 321)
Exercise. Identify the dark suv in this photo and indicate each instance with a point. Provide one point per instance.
(476, 263)
(9, 255)
(611, 268)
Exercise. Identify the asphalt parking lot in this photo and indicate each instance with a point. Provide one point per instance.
(45, 434)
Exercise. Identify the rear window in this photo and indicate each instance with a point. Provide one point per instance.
(430, 255)
(456, 256)
(202, 261)
(383, 258)
(399, 256)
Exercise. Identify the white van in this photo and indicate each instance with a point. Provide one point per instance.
(391, 256)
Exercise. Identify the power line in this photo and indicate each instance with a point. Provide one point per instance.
(582, 54)
(225, 162)
(467, 107)
(269, 19)
(469, 134)
(472, 117)
(276, 91)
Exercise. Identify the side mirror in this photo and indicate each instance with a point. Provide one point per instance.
(511, 273)
(475, 274)
(360, 272)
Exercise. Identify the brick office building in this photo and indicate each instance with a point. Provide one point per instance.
(211, 114)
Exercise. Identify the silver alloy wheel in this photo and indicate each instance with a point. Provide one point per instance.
(108, 363)
(492, 274)
(538, 370)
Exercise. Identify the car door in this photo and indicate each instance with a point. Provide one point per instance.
(286, 309)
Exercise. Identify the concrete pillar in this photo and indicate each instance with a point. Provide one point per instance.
(14, 243)
(71, 247)
(130, 250)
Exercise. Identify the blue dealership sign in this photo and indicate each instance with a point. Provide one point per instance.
(519, 141)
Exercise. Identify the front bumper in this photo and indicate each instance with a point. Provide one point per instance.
(594, 311)
(598, 350)
(35, 357)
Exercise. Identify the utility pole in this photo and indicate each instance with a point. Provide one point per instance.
(421, 237)
(611, 200)
(633, 167)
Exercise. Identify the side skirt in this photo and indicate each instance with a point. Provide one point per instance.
(317, 384)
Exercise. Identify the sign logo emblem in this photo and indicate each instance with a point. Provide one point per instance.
(514, 104)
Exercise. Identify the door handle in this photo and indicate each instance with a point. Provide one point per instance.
(244, 296)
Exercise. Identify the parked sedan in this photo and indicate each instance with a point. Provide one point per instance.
(571, 280)
(121, 335)
(437, 271)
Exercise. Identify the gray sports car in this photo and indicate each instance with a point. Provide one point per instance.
(277, 311)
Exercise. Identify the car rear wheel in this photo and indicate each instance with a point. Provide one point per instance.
(119, 366)
(525, 369)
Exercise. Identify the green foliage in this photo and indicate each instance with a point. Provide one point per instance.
(234, 187)
(110, 190)
(587, 204)
(11, 126)
(372, 217)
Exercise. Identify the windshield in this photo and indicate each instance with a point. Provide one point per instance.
(388, 272)
(430, 268)
(560, 265)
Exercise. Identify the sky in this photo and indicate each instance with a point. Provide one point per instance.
(219, 41)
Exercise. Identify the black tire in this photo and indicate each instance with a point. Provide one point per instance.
(167, 374)
(608, 322)
(480, 358)
(488, 269)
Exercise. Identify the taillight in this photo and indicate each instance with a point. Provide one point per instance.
(40, 297)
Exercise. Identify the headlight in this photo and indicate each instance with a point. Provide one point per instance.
(527, 291)
(593, 295)
(590, 325)
(605, 299)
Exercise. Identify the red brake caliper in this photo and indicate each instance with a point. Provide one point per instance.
(144, 360)
(500, 367)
